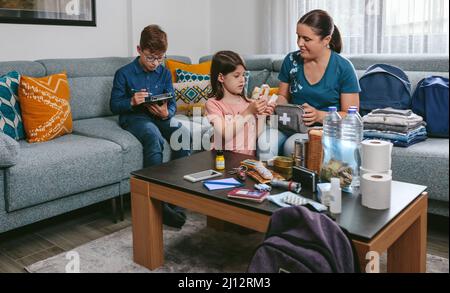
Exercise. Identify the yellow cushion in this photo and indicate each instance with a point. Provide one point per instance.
(202, 68)
(45, 104)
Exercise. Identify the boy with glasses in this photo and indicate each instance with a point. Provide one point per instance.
(149, 123)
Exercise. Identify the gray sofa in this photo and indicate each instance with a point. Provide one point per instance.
(94, 162)
(88, 166)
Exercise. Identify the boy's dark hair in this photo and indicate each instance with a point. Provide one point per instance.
(323, 25)
(154, 39)
(223, 62)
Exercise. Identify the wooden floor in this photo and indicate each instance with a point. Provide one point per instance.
(30, 244)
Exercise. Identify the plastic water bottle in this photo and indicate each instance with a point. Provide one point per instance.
(330, 141)
(352, 131)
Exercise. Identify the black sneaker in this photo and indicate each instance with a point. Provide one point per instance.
(173, 218)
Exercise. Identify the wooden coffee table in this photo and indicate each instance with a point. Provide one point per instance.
(400, 231)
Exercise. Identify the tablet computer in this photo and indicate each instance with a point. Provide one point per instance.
(203, 175)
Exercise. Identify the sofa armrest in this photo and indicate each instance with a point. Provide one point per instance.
(9, 151)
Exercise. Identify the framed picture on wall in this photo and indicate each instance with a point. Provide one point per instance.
(50, 12)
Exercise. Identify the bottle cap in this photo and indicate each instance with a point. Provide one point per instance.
(219, 153)
(351, 110)
(332, 109)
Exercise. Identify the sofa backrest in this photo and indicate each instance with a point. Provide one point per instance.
(90, 83)
(90, 80)
(415, 66)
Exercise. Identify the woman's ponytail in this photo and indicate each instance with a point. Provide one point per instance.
(336, 40)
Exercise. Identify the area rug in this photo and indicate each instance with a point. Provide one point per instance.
(193, 249)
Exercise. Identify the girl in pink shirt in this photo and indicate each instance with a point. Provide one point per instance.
(237, 121)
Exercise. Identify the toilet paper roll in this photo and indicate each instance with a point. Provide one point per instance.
(376, 191)
(376, 155)
(363, 171)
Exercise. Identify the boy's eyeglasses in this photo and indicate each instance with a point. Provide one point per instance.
(152, 59)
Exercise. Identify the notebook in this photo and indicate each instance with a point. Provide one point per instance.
(228, 183)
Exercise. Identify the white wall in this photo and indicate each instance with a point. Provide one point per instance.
(195, 28)
(237, 25)
(31, 42)
(186, 23)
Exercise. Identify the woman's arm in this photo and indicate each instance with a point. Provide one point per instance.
(283, 94)
(348, 100)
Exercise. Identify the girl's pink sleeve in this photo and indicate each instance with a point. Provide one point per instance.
(213, 111)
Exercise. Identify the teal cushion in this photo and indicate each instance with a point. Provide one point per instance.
(186, 76)
(10, 119)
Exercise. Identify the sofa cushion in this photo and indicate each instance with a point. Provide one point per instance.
(10, 114)
(108, 128)
(9, 151)
(425, 163)
(173, 65)
(190, 95)
(67, 165)
(186, 76)
(45, 103)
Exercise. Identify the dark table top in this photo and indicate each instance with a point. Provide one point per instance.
(361, 222)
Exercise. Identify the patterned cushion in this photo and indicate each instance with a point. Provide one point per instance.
(10, 115)
(186, 76)
(45, 107)
(202, 68)
(191, 95)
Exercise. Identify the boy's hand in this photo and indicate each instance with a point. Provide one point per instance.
(139, 98)
(159, 111)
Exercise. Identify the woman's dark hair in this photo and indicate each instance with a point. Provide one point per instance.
(323, 25)
(223, 62)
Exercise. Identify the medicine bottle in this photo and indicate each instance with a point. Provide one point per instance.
(220, 161)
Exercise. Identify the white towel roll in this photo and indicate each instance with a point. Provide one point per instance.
(376, 155)
(376, 191)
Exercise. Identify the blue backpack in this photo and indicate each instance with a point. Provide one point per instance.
(300, 240)
(431, 101)
(384, 86)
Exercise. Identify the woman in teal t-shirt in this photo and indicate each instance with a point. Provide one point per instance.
(317, 76)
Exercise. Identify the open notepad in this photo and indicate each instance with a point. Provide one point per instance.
(228, 183)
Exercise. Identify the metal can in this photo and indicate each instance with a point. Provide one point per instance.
(300, 153)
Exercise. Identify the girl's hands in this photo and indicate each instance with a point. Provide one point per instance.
(257, 107)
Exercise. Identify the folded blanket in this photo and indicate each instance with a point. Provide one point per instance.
(393, 119)
(394, 128)
(396, 136)
(393, 111)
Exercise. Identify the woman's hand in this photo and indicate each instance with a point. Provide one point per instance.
(311, 115)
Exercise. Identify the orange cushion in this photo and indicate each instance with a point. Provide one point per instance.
(202, 68)
(45, 104)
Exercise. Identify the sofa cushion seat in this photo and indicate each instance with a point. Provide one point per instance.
(108, 128)
(425, 163)
(61, 167)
